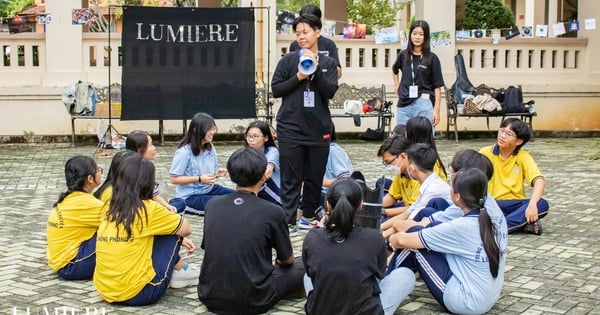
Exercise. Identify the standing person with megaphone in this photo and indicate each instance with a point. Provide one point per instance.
(306, 81)
(326, 46)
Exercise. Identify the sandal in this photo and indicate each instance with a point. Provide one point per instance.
(534, 228)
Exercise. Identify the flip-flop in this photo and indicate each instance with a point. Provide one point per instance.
(534, 228)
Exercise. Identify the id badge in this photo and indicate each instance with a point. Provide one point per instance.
(309, 99)
(413, 91)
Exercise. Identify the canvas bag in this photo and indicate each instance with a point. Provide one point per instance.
(486, 103)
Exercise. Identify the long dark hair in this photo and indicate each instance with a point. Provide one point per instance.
(200, 125)
(420, 130)
(264, 129)
(426, 48)
(137, 141)
(133, 183)
(77, 170)
(471, 184)
(345, 197)
(116, 161)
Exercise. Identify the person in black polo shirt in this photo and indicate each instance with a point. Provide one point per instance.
(237, 275)
(304, 121)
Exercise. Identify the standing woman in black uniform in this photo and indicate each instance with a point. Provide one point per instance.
(419, 86)
(304, 121)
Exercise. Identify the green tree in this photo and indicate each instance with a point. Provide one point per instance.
(294, 5)
(10, 8)
(485, 14)
(373, 13)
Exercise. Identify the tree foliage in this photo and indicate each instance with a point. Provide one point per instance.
(373, 13)
(485, 14)
(294, 5)
(10, 8)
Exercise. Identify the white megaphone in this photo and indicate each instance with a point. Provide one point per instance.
(306, 65)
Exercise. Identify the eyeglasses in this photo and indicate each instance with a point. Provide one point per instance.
(253, 137)
(508, 133)
(385, 163)
(100, 170)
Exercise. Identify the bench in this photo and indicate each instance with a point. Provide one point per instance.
(263, 109)
(363, 94)
(453, 115)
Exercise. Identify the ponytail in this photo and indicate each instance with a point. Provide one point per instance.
(77, 170)
(341, 220)
(487, 232)
(471, 184)
(344, 198)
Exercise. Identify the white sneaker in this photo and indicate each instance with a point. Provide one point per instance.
(188, 275)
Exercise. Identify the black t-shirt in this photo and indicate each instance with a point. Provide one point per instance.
(344, 275)
(240, 231)
(427, 72)
(296, 122)
(326, 46)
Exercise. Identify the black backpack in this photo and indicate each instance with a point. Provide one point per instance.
(512, 100)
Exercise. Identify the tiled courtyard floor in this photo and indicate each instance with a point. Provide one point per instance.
(555, 273)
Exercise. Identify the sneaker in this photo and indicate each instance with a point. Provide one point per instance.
(188, 275)
(293, 230)
(305, 223)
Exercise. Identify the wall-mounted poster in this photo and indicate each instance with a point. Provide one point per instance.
(541, 30)
(82, 16)
(386, 35)
(441, 38)
(355, 30)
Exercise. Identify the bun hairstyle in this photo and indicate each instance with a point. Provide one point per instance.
(471, 184)
(344, 198)
(77, 170)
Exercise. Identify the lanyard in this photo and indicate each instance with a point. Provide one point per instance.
(412, 69)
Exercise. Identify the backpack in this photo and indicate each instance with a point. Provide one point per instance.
(512, 100)
(373, 134)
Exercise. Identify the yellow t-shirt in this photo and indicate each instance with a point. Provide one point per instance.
(124, 266)
(407, 190)
(106, 195)
(510, 175)
(72, 222)
(437, 168)
(404, 189)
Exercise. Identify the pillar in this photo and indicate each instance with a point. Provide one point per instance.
(64, 49)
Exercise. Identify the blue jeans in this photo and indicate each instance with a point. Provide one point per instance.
(394, 288)
(83, 265)
(198, 202)
(419, 107)
(165, 255)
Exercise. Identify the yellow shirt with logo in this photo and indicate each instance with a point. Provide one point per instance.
(510, 175)
(407, 190)
(124, 265)
(72, 222)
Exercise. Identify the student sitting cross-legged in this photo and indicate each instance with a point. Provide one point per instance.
(514, 166)
(462, 260)
(72, 223)
(240, 232)
(345, 264)
(137, 252)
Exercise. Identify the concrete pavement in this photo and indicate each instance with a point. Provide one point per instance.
(555, 273)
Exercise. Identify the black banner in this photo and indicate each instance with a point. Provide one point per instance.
(180, 61)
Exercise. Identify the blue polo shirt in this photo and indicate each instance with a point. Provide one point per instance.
(185, 163)
(471, 289)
